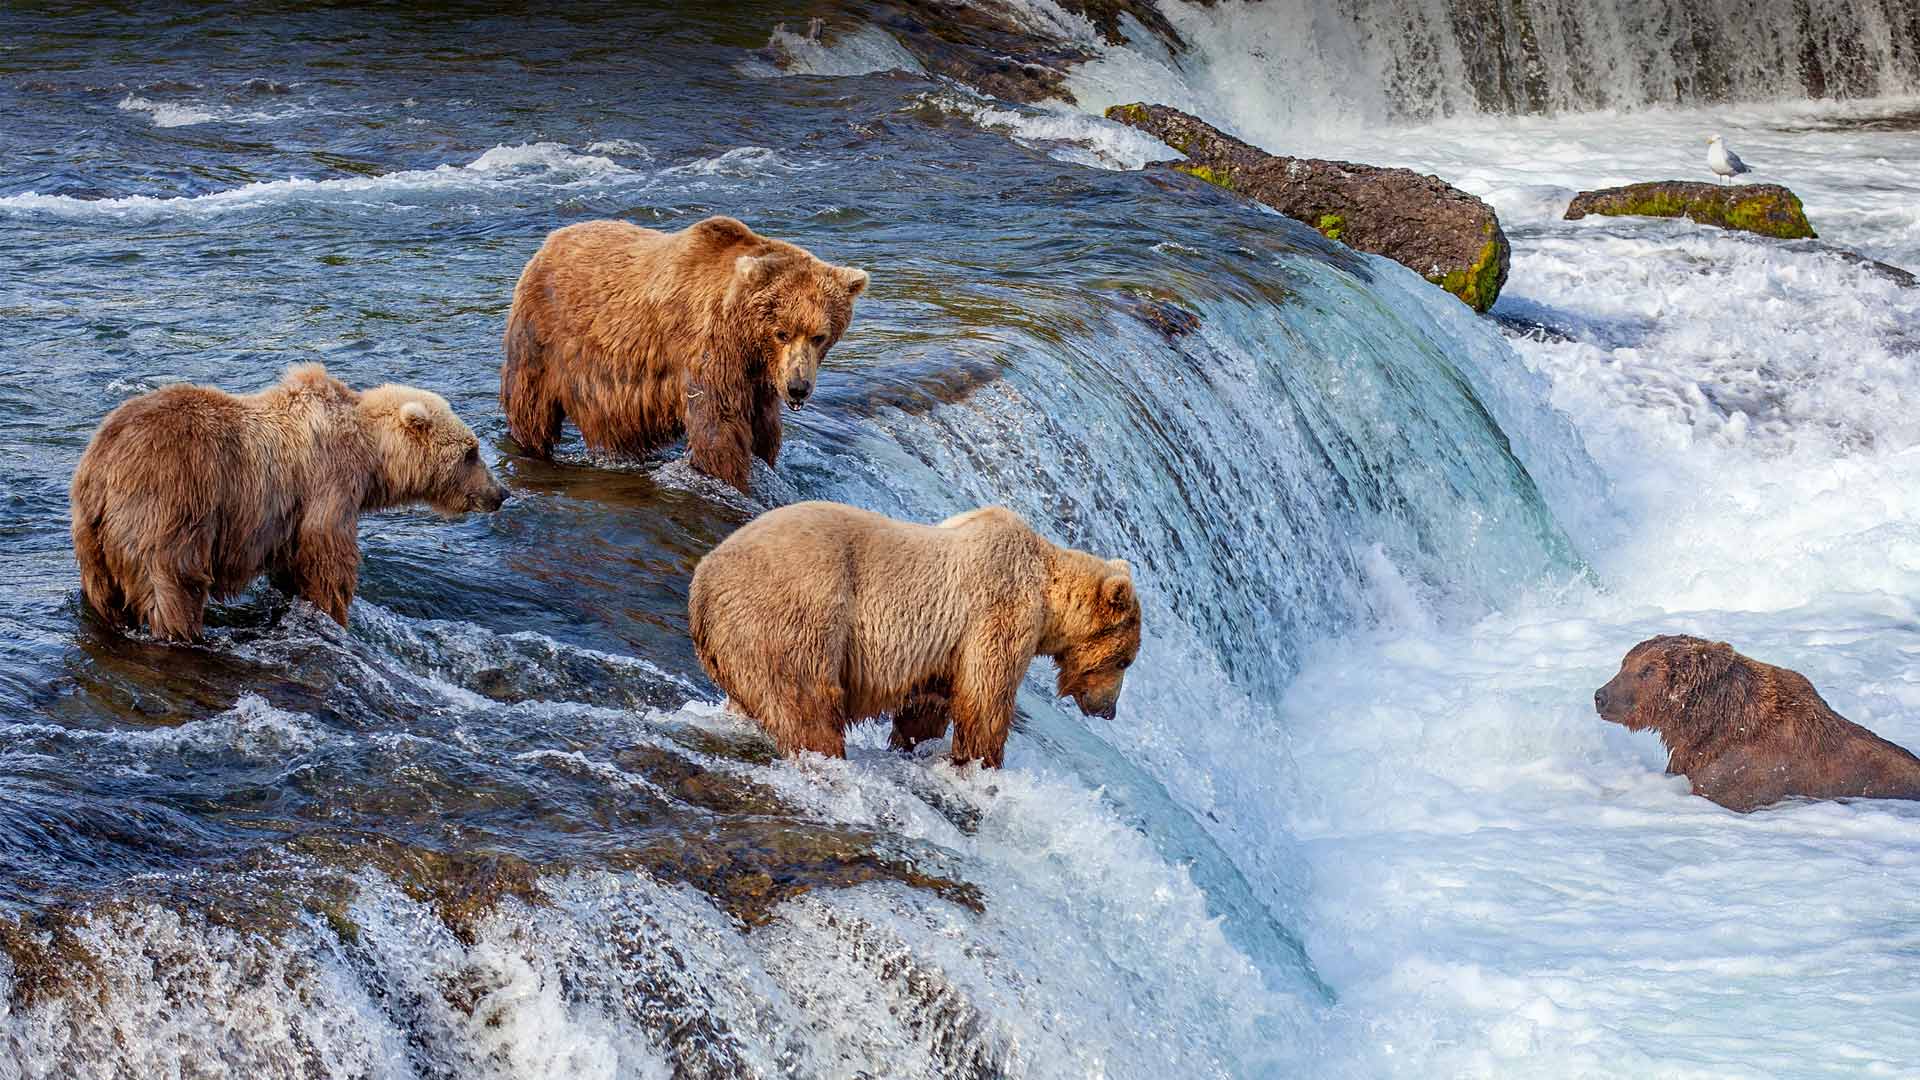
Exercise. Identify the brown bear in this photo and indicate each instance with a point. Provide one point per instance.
(1746, 733)
(817, 615)
(189, 492)
(638, 335)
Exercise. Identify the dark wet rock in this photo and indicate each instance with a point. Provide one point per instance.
(462, 887)
(53, 951)
(1906, 279)
(992, 48)
(1536, 329)
(749, 867)
(1169, 319)
(981, 45)
(1107, 17)
(1762, 209)
(688, 781)
(1440, 232)
(913, 388)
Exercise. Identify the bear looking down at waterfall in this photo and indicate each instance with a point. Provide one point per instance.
(1746, 733)
(638, 334)
(817, 615)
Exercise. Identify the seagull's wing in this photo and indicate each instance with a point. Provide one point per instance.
(1734, 163)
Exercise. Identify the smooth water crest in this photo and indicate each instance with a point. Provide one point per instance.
(1356, 816)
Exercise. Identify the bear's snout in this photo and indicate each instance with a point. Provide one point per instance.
(1103, 702)
(798, 388)
(490, 500)
(1611, 703)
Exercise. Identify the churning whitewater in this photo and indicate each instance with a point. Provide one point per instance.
(1356, 816)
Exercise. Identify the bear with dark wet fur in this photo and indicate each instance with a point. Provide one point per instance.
(637, 335)
(189, 492)
(1748, 734)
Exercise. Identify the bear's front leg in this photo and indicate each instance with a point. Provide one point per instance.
(766, 423)
(719, 431)
(325, 567)
(982, 702)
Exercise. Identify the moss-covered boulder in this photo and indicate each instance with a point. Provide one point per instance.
(1763, 209)
(1440, 232)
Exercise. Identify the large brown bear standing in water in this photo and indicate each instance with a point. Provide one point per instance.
(817, 615)
(638, 334)
(1747, 733)
(190, 492)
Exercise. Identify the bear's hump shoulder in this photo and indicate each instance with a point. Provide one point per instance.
(987, 515)
(722, 231)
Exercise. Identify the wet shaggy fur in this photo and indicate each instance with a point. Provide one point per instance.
(637, 335)
(817, 615)
(1746, 733)
(190, 492)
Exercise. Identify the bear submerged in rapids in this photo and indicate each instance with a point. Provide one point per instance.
(637, 335)
(190, 492)
(817, 615)
(1746, 733)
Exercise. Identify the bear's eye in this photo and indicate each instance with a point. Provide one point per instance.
(819, 341)
(1125, 664)
(782, 336)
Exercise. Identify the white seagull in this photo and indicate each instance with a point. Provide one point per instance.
(1724, 161)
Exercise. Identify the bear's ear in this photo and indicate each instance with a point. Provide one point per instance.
(1117, 591)
(756, 270)
(416, 417)
(854, 281)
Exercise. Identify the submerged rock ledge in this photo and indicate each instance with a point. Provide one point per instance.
(1763, 209)
(1438, 231)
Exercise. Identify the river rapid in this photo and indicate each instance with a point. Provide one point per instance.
(1356, 816)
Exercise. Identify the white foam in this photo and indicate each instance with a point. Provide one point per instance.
(1503, 884)
(742, 162)
(622, 147)
(252, 728)
(549, 163)
(1064, 132)
(166, 114)
(863, 50)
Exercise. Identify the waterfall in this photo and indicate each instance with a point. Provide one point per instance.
(1276, 64)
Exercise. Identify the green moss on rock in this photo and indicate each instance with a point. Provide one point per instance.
(1218, 178)
(1479, 284)
(1419, 221)
(1762, 209)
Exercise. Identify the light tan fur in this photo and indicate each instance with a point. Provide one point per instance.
(638, 335)
(190, 492)
(817, 615)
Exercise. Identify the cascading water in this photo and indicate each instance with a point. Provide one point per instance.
(1316, 63)
(1355, 818)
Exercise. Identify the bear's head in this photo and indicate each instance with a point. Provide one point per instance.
(425, 453)
(1100, 631)
(1682, 687)
(794, 308)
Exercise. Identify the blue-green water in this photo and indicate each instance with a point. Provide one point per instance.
(500, 825)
